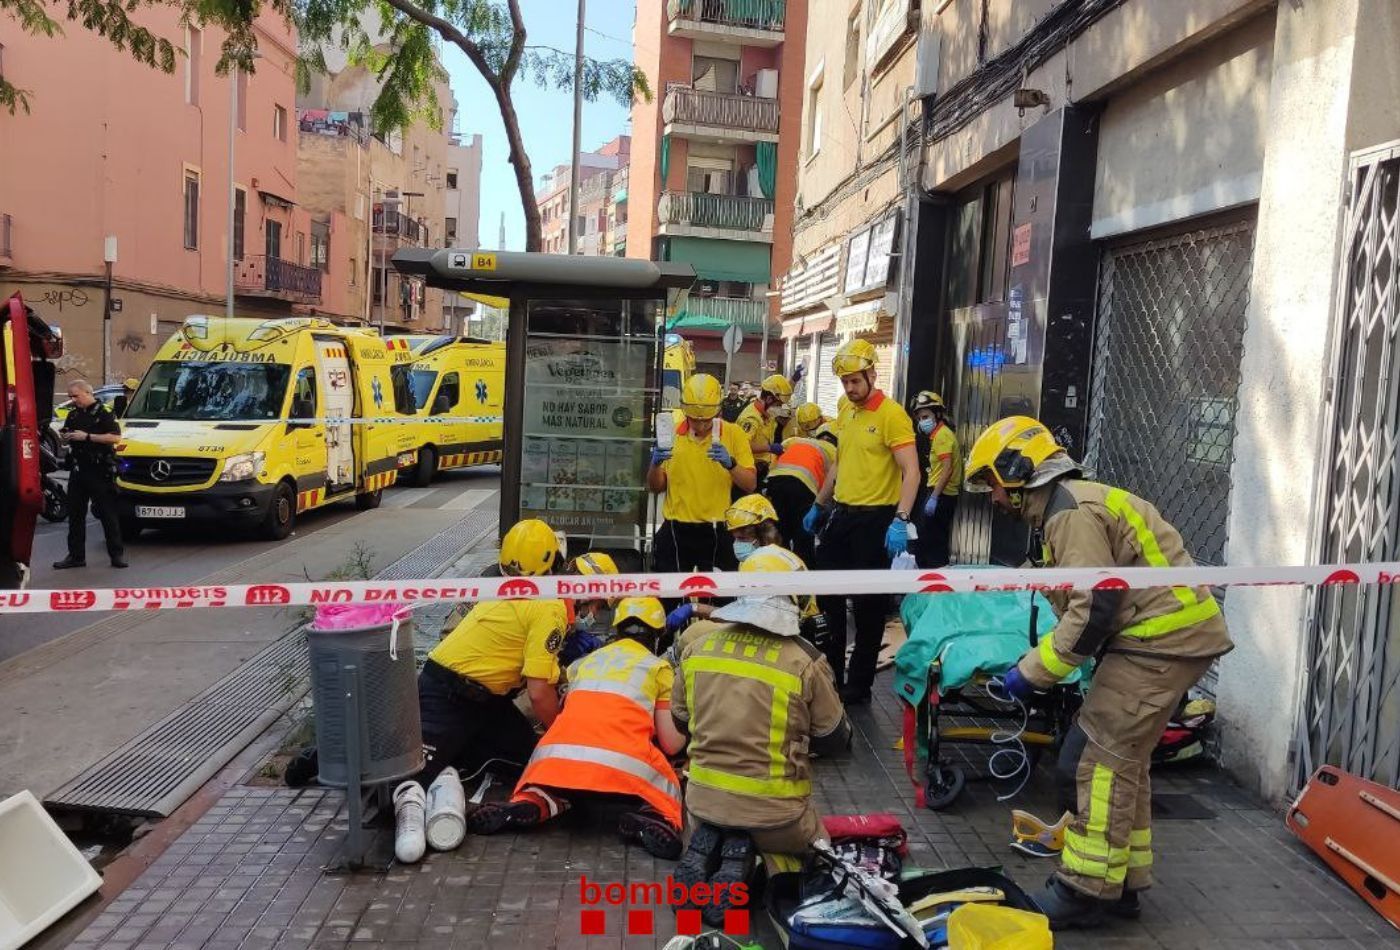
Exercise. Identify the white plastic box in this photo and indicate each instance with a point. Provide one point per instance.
(42, 876)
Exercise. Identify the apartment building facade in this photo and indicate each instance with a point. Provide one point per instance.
(598, 173)
(148, 169)
(1168, 231)
(462, 219)
(712, 180)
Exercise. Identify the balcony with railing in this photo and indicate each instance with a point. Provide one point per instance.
(751, 22)
(719, 313)
(398, 225)
(262, 276)
(734, 217)
(720, 116)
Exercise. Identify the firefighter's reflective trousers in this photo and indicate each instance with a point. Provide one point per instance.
(1108, 847)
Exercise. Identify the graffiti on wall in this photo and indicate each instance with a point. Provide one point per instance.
(131, 343)
(70, 297)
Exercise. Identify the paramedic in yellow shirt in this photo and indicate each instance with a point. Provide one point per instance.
(944, 480)
(707, 460)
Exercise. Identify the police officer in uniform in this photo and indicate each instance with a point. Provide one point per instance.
(92, 433)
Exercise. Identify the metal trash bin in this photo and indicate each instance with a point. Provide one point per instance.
(365, 704)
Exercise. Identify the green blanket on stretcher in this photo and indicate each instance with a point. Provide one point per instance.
(966, 634)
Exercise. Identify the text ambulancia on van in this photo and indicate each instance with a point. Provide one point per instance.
(246, 422)
(461, 380)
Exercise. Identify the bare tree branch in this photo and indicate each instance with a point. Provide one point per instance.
(517, 43)
(449, 33)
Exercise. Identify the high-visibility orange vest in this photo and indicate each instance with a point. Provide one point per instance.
(806, 460)
(602, 739)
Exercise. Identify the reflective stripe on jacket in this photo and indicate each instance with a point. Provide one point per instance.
(602, 739)
(1085, 524)
(806, 460)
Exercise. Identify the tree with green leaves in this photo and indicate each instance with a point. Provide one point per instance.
(493, 38)
(393, 38)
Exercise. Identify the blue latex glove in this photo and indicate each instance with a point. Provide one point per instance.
(578, 645)
(897, 538)
(680, 617)
(810, 519)
(659, 455)
(776, 448)
(1017, 686)
(720, 454)
(930, 505)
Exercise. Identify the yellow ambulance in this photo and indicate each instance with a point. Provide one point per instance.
(247, 423)
(462, 380)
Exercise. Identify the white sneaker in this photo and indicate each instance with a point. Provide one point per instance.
(409, 841)
(447, 811)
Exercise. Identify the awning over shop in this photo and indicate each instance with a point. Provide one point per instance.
(858, 317)
(805, 326)
(746, 261)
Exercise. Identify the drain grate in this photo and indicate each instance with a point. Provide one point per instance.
(157, 771)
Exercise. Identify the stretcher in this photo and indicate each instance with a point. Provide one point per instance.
(1354, 826)
(958, 646)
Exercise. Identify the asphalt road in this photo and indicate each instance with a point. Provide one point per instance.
(184, 555)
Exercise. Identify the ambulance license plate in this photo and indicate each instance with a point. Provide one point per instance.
(160, 511)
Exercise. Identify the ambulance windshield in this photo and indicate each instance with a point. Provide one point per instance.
(222, 391)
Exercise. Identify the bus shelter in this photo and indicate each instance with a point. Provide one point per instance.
(584, 345)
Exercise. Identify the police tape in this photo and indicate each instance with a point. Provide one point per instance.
(716, 584)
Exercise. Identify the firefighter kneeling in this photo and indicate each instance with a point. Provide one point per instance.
(1151, 645)
(755, 698)
(604, 743)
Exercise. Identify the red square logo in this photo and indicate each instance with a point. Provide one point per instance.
(688, 923)
(736, 922)
(592, 923)
(639, 923)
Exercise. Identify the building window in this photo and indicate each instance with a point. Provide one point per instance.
(814, 113)
(359, 206)
(279, 123)
(321, 246)
(450, 230)
(709, 74)
(191, 209)
(241, 79)
(193, 47)
(452, 179)
(240, 214)
(851, 68)
(301, 248)
(272, 239)
(354, 270)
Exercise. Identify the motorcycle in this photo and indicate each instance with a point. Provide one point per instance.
(55, 497)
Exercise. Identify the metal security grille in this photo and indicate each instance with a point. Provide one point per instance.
(1350, 708)
(1167, 348)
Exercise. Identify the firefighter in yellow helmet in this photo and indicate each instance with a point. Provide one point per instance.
(760, 423)
(706, 461)
(755, 698)
(798, 474)
(468, 683)
(873, 486)
(944, 479)
(592, 614)
(1151, 645)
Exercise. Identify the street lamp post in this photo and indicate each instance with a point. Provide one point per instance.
(232, 191)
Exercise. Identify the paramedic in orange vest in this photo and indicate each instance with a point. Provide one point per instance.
(944, 480)
(468, 683)
(612, 738)
(760, 423)
(797, 476)
(707, 460)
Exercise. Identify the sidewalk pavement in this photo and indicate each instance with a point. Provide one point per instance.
(251, 872)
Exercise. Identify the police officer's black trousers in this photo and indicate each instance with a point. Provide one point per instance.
(854, 539)
(96, 487)
(792, 500)
(465, 724)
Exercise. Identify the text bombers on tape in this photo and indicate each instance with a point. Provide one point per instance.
(716, 584)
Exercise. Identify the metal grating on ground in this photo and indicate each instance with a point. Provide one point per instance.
(157, 771)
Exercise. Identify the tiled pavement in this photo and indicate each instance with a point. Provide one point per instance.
(249, 874)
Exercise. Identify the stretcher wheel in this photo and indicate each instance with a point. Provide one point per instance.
(945, 783)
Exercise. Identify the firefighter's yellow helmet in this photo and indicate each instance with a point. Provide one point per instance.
(529, 549)
(749, 511)
(927, 399)
(646, 610)
(594, 562)
(1008, 453)
(701, 397)
(771, 559)
(809, 416)
(131, 382)
(856, 356)
(777, 385)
